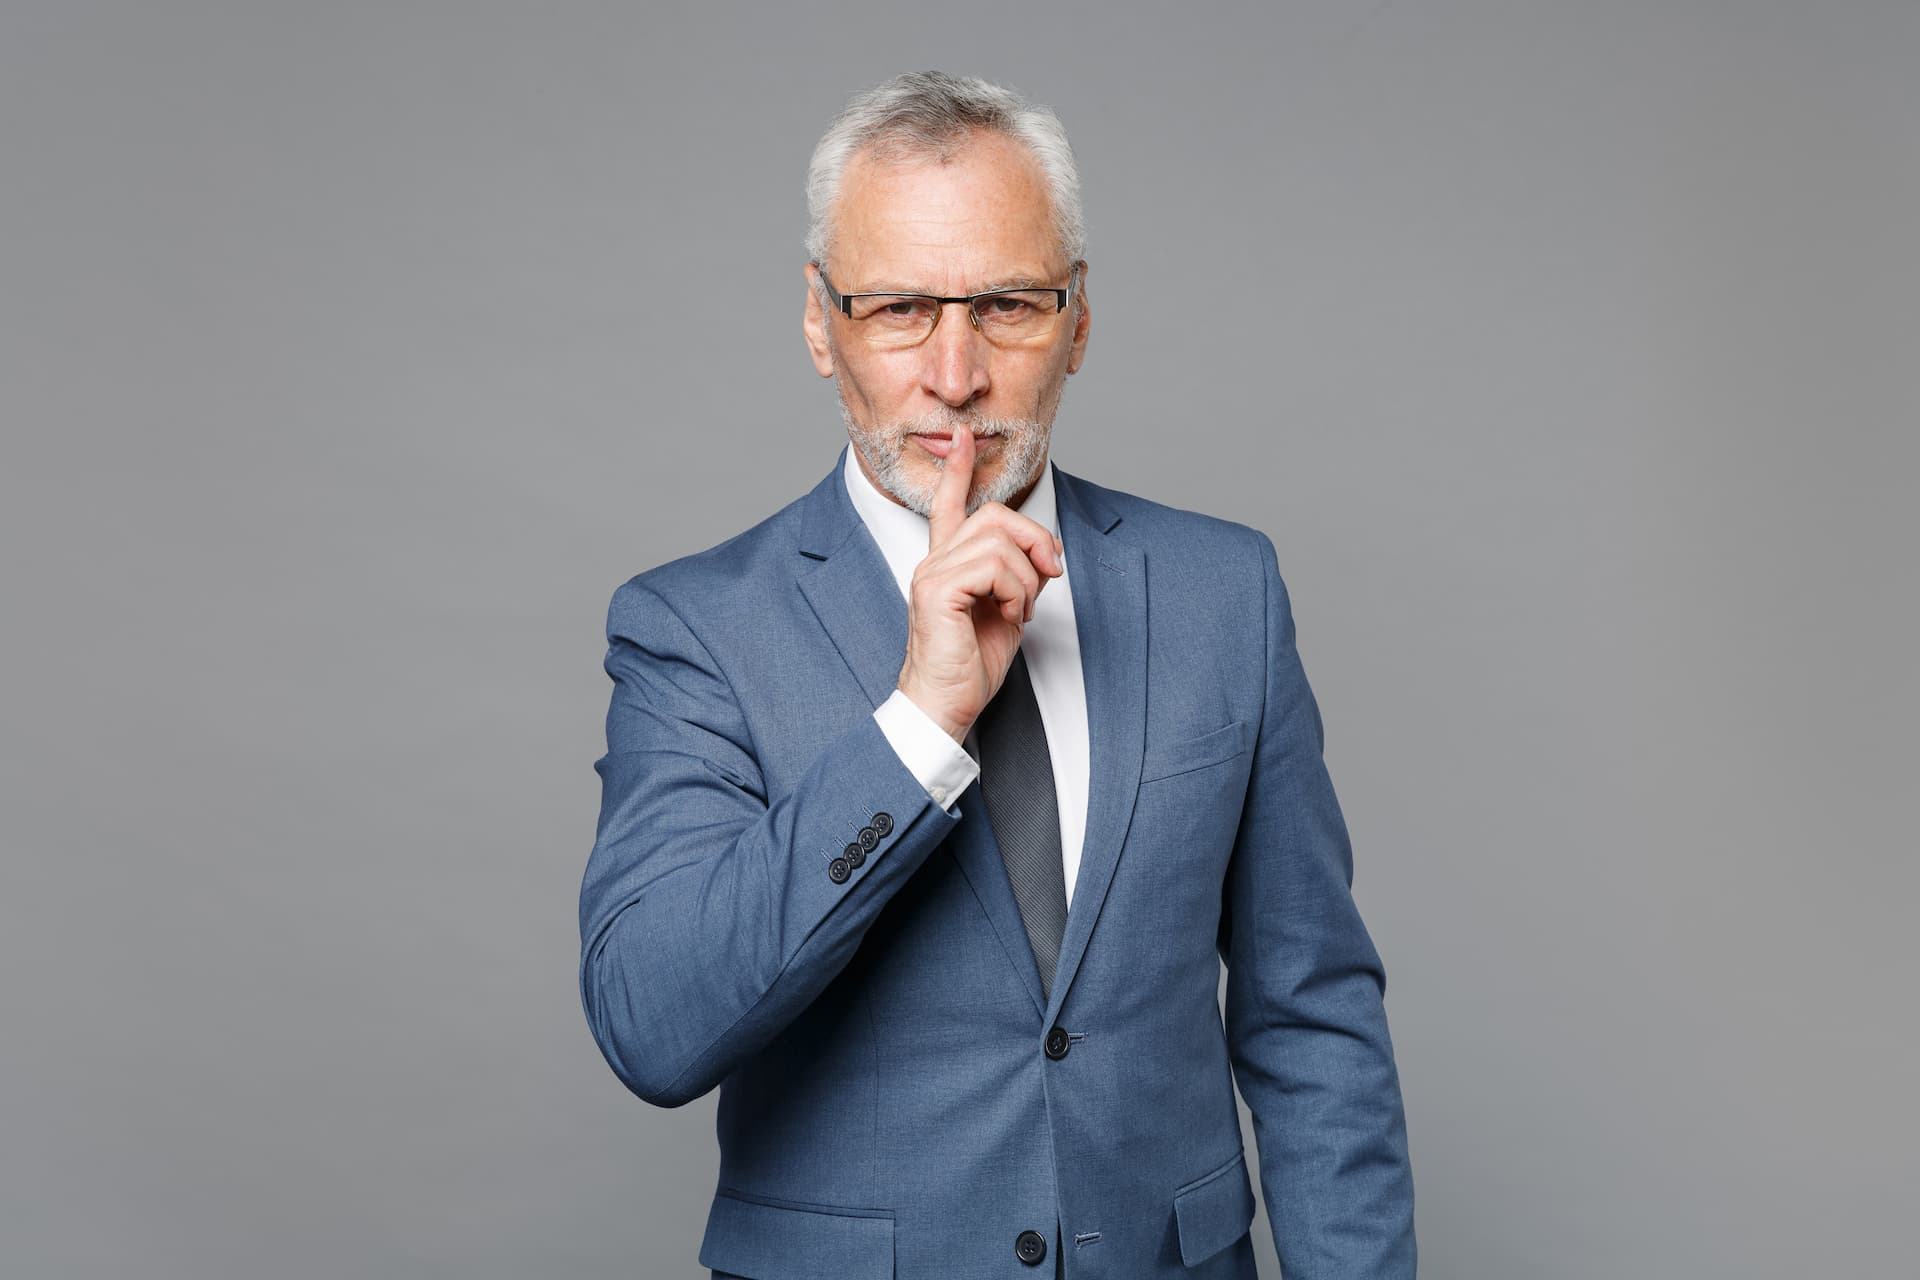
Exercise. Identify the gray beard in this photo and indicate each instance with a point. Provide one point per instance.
(883, 447)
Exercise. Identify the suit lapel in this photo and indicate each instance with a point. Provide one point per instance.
(847, 582)
(1109, 581)
(852, 592)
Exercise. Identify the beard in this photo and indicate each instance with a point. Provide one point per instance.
(1023, 450)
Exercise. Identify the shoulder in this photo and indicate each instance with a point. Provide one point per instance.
(1201, 564)
(1165, 531)
(717, 582)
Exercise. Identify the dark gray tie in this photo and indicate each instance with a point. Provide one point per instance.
(1016, 777)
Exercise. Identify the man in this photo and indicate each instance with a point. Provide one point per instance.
(933, 802)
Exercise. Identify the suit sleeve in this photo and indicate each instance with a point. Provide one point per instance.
(708, 915)
(1305, 1013)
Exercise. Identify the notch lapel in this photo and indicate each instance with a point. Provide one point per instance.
(846, 580)
(1108, 577)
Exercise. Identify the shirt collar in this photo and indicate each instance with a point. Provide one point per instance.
(904, 535)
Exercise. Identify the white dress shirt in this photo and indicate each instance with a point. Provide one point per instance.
(1051, 643)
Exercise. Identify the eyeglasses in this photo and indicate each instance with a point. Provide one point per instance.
(1006, 317)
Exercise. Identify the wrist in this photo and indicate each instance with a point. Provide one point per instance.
(949, 725)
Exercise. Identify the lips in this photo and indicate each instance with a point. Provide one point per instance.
(940, 443)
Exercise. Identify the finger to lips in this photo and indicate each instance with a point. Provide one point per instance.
(949, 512)
(950, 495)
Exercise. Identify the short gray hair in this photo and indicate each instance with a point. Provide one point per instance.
(926, 114)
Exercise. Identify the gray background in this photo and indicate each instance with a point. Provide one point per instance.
(353, 354)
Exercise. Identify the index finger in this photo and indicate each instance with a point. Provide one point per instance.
(956, 479)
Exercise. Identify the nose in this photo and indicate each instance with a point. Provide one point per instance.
(954, 357)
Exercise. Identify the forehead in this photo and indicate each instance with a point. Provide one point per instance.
(975, 218)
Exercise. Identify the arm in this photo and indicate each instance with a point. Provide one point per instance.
(708, 919)
(1306, 1025)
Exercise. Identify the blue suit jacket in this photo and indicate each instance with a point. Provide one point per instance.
(889, 1104)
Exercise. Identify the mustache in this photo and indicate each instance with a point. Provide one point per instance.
(942, 423)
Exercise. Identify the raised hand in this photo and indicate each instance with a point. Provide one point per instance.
(972, 597)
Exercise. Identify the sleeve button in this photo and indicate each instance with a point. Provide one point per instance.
(838, 870)
(883, 823)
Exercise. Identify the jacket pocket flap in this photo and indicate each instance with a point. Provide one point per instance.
(1211, 747)
(756, 1237)
(1214, 1210)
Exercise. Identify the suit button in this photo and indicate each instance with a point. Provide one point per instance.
(838, 871)
(1030, 1248)
(883, 823)
(1056, 1045)
(869, 837)
(854, 854)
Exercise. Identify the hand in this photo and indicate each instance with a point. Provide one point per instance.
(972, 597)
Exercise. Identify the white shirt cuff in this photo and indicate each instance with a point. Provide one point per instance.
(942, 765)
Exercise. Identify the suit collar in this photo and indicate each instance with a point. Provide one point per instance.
(846, 580)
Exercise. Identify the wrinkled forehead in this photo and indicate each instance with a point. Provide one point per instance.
(976, 216)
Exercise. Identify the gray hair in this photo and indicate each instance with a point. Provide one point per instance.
(925, 114)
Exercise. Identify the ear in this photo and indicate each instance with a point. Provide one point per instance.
(1081, 324)
(813, 325)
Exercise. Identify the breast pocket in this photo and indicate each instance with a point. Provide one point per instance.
(1215, 746)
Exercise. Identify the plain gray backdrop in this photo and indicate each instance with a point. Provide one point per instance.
(352, 354)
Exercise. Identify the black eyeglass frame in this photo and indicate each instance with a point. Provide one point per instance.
(843, 303)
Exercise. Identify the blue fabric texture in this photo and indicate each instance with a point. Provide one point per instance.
(900, 1095)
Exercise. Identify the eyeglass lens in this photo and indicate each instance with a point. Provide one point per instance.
(1013, 316)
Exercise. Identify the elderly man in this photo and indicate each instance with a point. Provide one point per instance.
(933, 802)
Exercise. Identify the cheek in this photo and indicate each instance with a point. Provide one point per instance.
(1049, 381)
(878, 384)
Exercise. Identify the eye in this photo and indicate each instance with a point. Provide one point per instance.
(894, 309)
